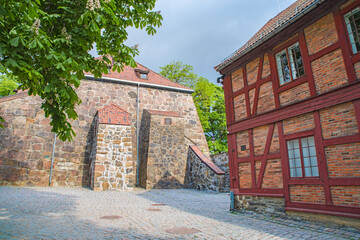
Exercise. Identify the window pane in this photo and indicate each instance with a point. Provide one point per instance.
(311, 141)
(305, 152)
(296, 61)
(290, 145)
(315, 171)
(292, 172)
(313, 161)
(304, 142)
(312, 151)
(296, 153)
(291, 154)
(291, 161)
(306, 162)
(296, 144)
(352, 20)
(283, 67)
(298, 172)
(298, 162)
(308, 172)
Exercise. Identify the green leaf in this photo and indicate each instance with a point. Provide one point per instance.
(32, 44)
(15, 41)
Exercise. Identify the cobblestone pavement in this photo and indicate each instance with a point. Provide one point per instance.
(79, 213)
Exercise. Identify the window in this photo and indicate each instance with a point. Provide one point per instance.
(352, 20)
(302, 157)
(289, 63)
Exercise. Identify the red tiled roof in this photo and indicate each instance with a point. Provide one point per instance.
(279, 21)
(164, 113)
(129, 74)
(112, 114)
(205, 160)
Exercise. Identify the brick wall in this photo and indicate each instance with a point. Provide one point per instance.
(338, 121)
(357, 69)
(346, 195)
(245, 175)
(307, 193)
(266, 100)
(242, 139)
(266, 67)
(260, 136)
(252, 71)
(240, 107)
(273, 174)
(295, 94)
(321, 34)
(299, 124)
(237, 80)
(251, 99)
(329, 72)
(343, 160)
(275, 146)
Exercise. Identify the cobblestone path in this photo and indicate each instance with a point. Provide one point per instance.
(79, 213)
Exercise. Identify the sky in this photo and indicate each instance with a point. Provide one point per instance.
(202, 33)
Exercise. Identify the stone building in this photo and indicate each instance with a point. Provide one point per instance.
(117, 112)
(292, 96)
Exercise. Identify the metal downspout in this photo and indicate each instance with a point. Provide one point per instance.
(137, 136)
(52, 159)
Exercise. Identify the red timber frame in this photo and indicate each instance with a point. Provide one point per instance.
(274, 118)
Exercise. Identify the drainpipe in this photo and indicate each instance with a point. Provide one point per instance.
(52, 159)
(137, 136)
(232, 202)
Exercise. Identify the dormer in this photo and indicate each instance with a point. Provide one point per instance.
(143, 74)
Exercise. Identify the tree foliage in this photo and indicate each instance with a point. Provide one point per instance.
(180, 73)
(46, 44)
(7, 85)
(209, 101)
(210, 105)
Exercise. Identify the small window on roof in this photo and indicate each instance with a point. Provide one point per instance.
(143, 74)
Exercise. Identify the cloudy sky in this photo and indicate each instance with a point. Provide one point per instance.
(202, 32)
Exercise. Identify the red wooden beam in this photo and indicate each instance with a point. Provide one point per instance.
(266, 152)
(299, 134)
(274, 78)
(292, 84)
(343, 94)
(257, 90)
(324, 51)
(252, 157)
(342, 140)
(284, 162)
(324, 209)
(350, 181)
(274, 192)
(345, 45)
(307, 63)
(321, 157)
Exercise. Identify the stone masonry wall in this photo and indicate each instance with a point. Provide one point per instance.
(260, 204)
(222, 161)
(26, 142)
(200, 176)
(113, 168)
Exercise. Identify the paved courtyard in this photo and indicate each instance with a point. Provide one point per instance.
(79, 213)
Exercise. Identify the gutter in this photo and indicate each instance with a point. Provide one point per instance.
(223, 65)
(151, 85)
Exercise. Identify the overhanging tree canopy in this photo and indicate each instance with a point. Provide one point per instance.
(46, 44)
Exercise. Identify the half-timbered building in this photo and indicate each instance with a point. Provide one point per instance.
(293, 111)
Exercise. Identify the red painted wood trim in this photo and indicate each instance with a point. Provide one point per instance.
(345, 45)
(274, 78)
(357, 112)
(321, 157)
(257, 90)
(252, 157)
(307, 64)
(250, 87)
(286, 43)
(227, 94)
(305, 181)
(350, 7)
(342, 140)
(292, 84)
(233, 165)
(299, 134)
(324, 51)
(258, 158)
(351, 181)
(275, 192)
(284, 162)
(246, 91)
(266, 152)
(355, 58)
(343, 94)
(327, 212)
(206, 161)
(323, 207)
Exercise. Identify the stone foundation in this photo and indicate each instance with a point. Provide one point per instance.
(260, 204)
